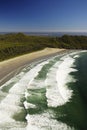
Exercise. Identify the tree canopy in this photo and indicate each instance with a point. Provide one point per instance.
(15, 44)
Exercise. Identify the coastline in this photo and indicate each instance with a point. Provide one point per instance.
(9, 68)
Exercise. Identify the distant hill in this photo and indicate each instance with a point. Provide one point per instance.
(14, 44)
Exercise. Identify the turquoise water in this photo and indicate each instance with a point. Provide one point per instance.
(47, 95)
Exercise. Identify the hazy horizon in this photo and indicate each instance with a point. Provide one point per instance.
(49, 33)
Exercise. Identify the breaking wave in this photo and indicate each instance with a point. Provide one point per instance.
(34, 91)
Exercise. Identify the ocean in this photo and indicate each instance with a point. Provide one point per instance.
(53, 34)
(50, 94)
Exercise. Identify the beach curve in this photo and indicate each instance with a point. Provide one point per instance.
(10, 67)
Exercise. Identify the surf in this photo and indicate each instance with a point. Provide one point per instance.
(36, 92)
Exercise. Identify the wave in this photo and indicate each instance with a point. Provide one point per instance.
(26, 89)
(45, 122)
(11, 103)
(56, 91)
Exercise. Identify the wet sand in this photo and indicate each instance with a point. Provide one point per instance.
(9, 68)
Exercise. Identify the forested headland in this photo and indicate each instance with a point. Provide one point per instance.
(16, 44)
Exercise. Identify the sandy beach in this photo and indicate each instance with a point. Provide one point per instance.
(9, 68)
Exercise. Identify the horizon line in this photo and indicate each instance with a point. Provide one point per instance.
(43, 31)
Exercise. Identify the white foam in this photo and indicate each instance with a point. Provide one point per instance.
(45, 122)
(57, 91)
(36, 84)
(54, 98)
(57, 94)
(28, 105)
(63, 77)
(27, 94)
(10, 105)
(76, 56)
(53, 94)
(34, 72)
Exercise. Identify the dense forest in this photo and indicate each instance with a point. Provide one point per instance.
(12, 45)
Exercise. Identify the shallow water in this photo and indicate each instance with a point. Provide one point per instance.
(48, 95)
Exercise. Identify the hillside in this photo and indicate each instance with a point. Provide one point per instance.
(12, 45)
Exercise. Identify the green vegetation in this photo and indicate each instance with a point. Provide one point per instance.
(12, 45)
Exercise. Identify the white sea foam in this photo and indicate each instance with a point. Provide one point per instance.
(28, 105)
(34, 72)
(57, 91)
(76, 56)
(45, 122)
(63, 77)
(10, 105)
(57, 94)
(54, 97)
(53, 93)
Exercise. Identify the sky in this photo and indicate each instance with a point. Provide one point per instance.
(43, 15)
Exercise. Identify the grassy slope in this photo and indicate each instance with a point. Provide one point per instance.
(12, 45)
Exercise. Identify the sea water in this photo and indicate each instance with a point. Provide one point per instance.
(47, 95)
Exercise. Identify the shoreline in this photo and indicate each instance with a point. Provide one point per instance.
(9, 68)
